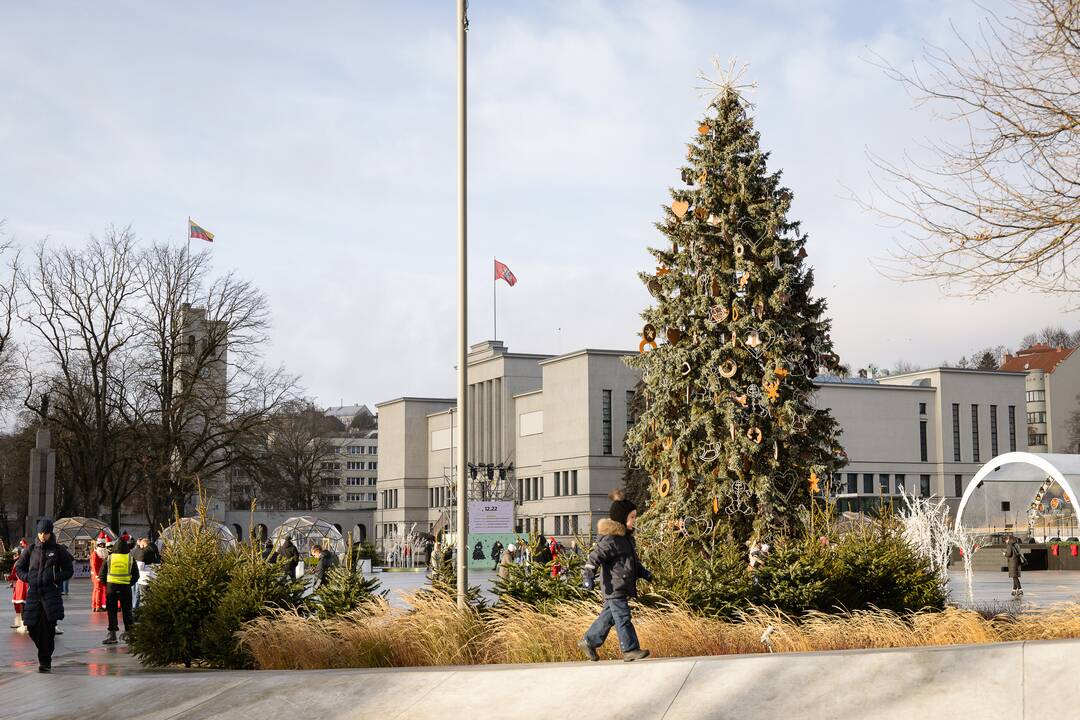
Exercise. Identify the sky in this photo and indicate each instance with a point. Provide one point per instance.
(317, 141)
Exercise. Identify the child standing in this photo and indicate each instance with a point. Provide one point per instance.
(616, 556)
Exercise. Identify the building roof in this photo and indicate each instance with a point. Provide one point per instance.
(1036, 357)
(589, 351)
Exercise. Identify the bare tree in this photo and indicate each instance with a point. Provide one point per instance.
(77, 304)
(1052, 335)
(1001, 208)
(204, 387)
(289, 459)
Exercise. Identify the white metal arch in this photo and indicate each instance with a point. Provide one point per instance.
(1041, 461)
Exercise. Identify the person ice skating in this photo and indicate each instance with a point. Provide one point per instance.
(44, 567)
(1015, 555)
(326, 560)
(18, 590)
(97, 559)
(118, 573)
(496, 553)
(615, 556)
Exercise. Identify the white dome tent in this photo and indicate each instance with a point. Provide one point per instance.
(1022, 492)
(306, 532)
(225, 537)
(79, 534)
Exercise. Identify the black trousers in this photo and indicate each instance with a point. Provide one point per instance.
(1016, 583)
(43, 633)
(118, 595)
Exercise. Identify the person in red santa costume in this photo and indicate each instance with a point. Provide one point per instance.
(97, 559)
(18, 594)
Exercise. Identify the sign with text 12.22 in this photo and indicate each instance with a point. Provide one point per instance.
(491, 517)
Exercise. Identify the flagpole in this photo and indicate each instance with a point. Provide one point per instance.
(464, 418)
(187, 263)
(494, 303)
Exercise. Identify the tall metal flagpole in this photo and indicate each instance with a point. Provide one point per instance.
(463, 319)
(494, 303)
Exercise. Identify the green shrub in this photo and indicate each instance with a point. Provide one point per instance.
(443, 581)
(344, 590)
(255, 587)
(533, 583)
(713, 580)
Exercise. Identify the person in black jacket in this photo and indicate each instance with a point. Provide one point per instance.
(615, 555)
(290, 555)
(44, 567)
(326, 559)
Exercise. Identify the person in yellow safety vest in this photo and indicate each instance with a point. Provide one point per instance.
(119, 573)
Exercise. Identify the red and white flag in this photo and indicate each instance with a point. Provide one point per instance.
(503, 272)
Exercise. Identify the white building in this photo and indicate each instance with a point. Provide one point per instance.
(556, 425)
(1053, 388)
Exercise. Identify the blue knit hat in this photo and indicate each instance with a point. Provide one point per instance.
(45, 525)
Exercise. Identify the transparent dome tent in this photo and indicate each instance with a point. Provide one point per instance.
(307, 532)
(1029, 494)
(79, 534)
(225, 537)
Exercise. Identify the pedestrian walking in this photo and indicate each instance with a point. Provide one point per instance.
(1015, 555)
(290, 555)
(18, 590)
(505, 561)
(615, 556)
(118, 573)
(44, 567)
(97, 560)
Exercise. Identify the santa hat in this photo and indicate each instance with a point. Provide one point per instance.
(102, 536)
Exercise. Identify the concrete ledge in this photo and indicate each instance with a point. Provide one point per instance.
(1006, 681)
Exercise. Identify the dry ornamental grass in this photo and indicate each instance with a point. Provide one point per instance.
(435, 632)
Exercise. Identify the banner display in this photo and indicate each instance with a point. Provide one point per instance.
(485, 549)
(491, 517)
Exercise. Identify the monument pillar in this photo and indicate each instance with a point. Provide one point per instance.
(42, 482)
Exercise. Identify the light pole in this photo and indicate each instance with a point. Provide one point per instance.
(463, 316)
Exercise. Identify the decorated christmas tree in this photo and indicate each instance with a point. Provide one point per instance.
(728, 433)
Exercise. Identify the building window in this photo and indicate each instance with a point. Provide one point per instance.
(899, 480)
(883, 483)
(558, 484)
(956, 431)
(520, 490)
(574, 523)
(922, 408)
(573, 482)
(993, 431)
(1005, 506)
(868, 483)
(1035, 418)
(975, 433)
(1036, 395)
(924, 485)
(923, 452)
(629, 409)
(1012, 428)
(605, 419)
(1035, 439)
(958, 485)
(853, 483)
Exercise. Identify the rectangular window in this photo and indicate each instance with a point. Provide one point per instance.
(1005, 506)
(1036, 395)
(629, 409)
(868, 483)
(924, 485)
(956, 432)
(520, 490)
(924, 454)
(975, 433)
(993, 431)
(1034, 418)
(542, 526)
(899, 483)
(922, 408)
(605, 420)
(558, 524)
(958, 485)
(883, 483)
(574, 524)
(573, 482)
(1012, 428)
(540, 482)
(1036, 439)
(853, 483)
(558, 484)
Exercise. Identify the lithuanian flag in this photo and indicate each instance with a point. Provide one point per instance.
(198, 233)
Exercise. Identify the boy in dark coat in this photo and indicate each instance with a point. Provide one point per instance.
(44, 567)
(615, 555)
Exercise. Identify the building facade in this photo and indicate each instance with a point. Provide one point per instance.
(1052, 392)
(556, 426)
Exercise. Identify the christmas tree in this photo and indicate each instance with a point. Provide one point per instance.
(728, 435)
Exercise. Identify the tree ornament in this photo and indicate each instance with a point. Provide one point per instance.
(718, 313)
(702, 178)
(739, 250)
(728, 368)
(679, 207)
(703, 129)
(665, 487)
(715, 505)
(674, 335)
(741, 399)
(813, 481)
(714, 286)
(754, 434)
(654, 287)
(713, 220)
(645, 345)
(781, 372)
(801, 255)
(753, 340)
(772, 389)
(700, 213)
(649, 332)
(662, 271)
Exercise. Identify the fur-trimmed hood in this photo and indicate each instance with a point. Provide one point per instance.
(607, 526)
